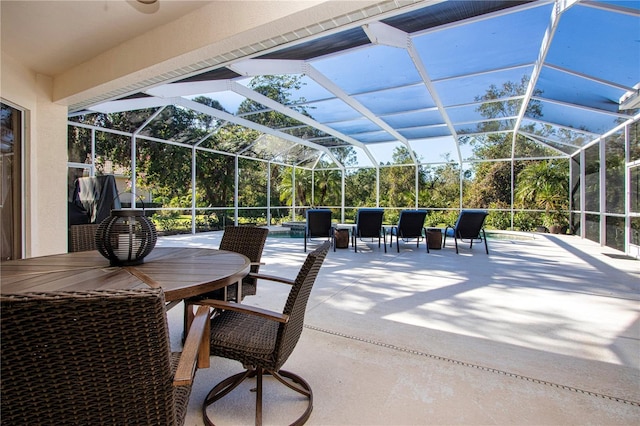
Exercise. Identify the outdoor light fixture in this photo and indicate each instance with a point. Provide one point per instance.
(126, 237)
(145, 6)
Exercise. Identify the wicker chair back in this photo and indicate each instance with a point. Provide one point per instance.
(83, 237)
(296, 304)
(249, 241)
(80, 358)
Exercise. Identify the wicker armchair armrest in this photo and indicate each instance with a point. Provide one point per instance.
(198, 334)
(246, 309)
(272, 278)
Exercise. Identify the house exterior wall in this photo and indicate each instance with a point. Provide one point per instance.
(45, 158)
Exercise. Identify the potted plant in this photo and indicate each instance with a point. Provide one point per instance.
(556, 222)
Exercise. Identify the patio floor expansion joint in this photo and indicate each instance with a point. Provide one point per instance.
(476, 366)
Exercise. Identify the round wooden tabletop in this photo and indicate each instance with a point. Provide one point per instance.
(180, 272)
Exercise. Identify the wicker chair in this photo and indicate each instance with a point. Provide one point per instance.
(469, 226)
(410, 225)
(83, 237)
(246, 240)
(100, 357)
(263, 340)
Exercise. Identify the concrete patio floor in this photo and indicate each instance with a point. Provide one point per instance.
(545, 330)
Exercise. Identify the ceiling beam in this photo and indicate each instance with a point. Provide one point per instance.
(204, 109)
(554, 20)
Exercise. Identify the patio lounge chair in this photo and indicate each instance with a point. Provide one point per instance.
(469, 226)
(95, 357)
(369, 225)
(263, 340)
(246, 240)
(319, 226)
(410, 226)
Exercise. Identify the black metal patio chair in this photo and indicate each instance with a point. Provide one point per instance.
(319, 226)
(410, 226)
(468, 226)
(369, 225)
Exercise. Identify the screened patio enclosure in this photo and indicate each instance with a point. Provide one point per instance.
(439, 105)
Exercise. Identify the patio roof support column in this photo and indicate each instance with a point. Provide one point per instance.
(461, 184)
(417, 186)
(133, 170)
(268, 193)
(235, 190)
(193, 190)
(194, 152)
(92, 170)
(513, 188)
(627, 190)
(603, 192)
(313, 186)
(134, 148)
(293, 193)
(583, 204)
(377, 186)
(344, 172)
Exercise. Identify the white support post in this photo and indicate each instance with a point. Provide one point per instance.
(193, 190)
(583, 204)
(133, 170)
(603, 193)
(344, 172)
(269, 193)
(293, 193)
(92, 170)
(236, 191)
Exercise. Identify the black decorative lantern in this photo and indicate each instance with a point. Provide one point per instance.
(126, 237)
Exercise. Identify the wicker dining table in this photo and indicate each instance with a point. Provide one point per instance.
(180, 272)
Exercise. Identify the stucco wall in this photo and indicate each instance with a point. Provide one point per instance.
(45, 152)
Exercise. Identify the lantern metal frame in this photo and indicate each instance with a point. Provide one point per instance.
(126, 237)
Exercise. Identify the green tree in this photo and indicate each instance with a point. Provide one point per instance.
(545, 185)
(361, 187)
(491, 184)
(397, 184)
(441, 186)
(301, 193)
